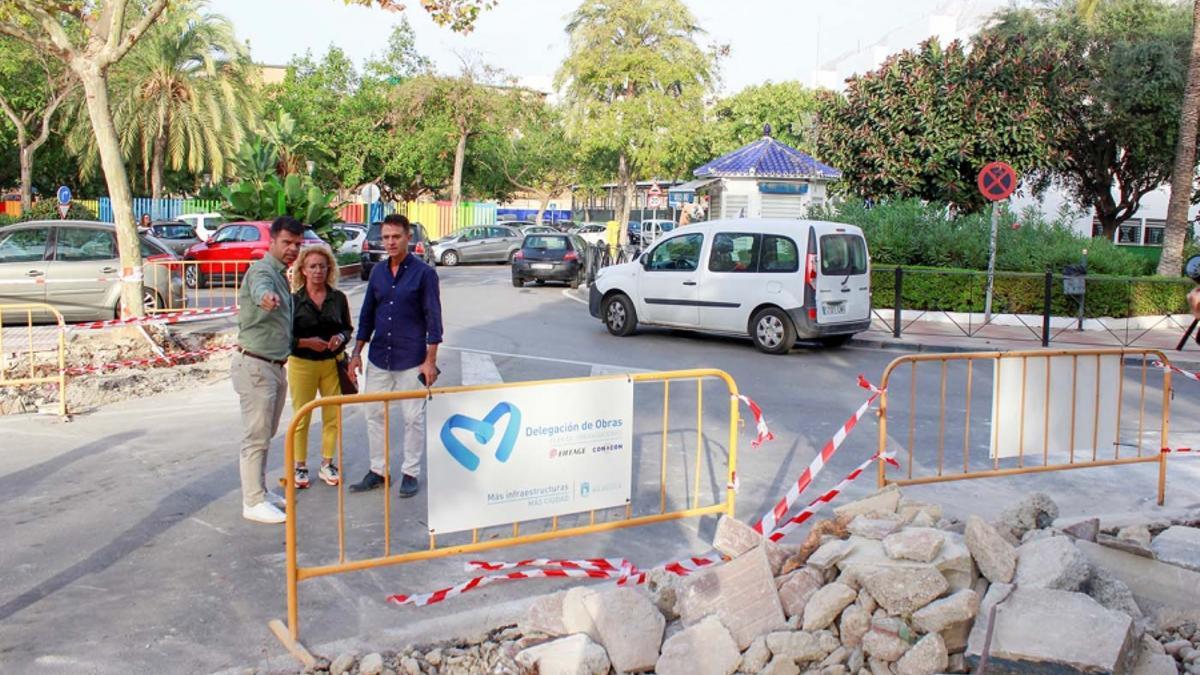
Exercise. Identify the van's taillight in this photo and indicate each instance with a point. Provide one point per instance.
(810, 270)
(419, 249)
(519, 255)
(570, 255)
(366, 247)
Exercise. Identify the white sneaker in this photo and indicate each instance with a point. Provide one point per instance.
(276, 500)
(263, 512)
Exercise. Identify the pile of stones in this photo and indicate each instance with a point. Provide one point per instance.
(888, 586)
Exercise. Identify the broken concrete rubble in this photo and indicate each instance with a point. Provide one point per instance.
(572, 655)
(797, 588)
(1046, 630)
(741, 593)
(1035, 512)
(904, 590)
(996, 558)
(826, 604)
(1178, 545)
(706, 648)
(886, 501)
(629, 626)
(1053, 562)
(920, 544)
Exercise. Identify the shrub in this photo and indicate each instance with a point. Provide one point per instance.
(47, 209)
(959, 290)
(910, 232)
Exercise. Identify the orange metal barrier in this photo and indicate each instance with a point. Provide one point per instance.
(634, 514)
(51, 338)
(1081, 380)
(205, 283)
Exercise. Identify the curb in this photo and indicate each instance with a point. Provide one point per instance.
(1177, 358)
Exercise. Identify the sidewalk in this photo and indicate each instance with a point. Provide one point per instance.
(922, 334)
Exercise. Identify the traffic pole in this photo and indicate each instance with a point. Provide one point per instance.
(991, 278)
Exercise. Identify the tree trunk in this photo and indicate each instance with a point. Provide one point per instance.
(1184, 173)
(96, 96)
(460, 154)
(545, 197)
(623, 198)
(156, 166)
(26, 176)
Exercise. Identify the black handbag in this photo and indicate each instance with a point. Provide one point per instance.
(344, 379)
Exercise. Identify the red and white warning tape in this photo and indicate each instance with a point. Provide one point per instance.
(808, 512)
(1186, 373)
(609, 564)
(760, 422)
(1178, 450)
(772, 518)
(550, 569)
(174, 317)
(153, 360)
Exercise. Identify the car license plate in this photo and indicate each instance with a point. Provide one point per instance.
(542, 266)
(834, 308)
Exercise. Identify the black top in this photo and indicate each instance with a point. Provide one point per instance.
(331, 318)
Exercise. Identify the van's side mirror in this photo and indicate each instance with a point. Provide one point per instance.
(644, 259)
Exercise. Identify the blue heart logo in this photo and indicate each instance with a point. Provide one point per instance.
(484, 430)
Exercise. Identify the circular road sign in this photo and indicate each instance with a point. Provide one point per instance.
(997, 181)
(369, 193)
(1191, 269)
(64, 195)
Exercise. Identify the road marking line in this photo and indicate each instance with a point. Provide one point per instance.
(479, 369)
(621, 369)
(570, 296)
(210, 526)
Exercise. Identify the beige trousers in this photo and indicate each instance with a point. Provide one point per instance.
(262, 389)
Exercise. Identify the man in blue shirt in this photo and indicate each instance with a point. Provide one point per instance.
(402, 320)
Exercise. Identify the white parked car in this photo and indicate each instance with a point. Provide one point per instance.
(355, 234)
(595, 234)
(203, 223)
(774, 280)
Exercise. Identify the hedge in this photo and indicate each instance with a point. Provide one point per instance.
(959, 290)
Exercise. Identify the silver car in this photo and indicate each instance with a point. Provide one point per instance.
(478, 243)
(74, 267)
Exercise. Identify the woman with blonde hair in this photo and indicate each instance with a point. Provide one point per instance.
(321, 328)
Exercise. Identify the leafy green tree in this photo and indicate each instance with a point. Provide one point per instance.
(458, 109)
(1183, 172)
(338, 107)
(635, 82)
(789, 108)
(182, 99)
(1119, 89)
(925, 122)
(532, 154)
(33, 87)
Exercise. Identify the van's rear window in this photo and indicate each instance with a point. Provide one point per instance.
(843, 254)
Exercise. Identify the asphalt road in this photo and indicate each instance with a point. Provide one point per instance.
(125, 550)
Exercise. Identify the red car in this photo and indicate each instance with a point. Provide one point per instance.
(228, 254)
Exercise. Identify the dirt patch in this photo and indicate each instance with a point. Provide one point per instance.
(114, 365)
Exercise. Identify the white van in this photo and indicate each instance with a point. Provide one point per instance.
(205, 224)
(775, 280)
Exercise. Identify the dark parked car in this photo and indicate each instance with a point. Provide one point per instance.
(550, 257)
(177, 235)
(372, 247)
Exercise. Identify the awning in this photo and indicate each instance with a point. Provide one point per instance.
(693, 185)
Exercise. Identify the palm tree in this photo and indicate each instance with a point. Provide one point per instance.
(1183, 175)
(183, 98)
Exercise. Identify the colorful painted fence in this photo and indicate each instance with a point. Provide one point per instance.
(439, 218)
(159, 209)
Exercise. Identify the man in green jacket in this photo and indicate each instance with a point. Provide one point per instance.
(264, 342)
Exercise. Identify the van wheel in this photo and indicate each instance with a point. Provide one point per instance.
(518, 282)
(450, 258)
(619, 317)
(772, 331)
(834, 341)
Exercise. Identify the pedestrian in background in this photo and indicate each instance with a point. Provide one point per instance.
(144, 223)
(320, 331)
(264, 343)
(401, 318)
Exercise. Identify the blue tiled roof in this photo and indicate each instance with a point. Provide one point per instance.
(767, 158)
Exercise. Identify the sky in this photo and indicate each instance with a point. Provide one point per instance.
(806, 40)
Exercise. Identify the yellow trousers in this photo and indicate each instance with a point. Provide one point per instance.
(305, 378)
